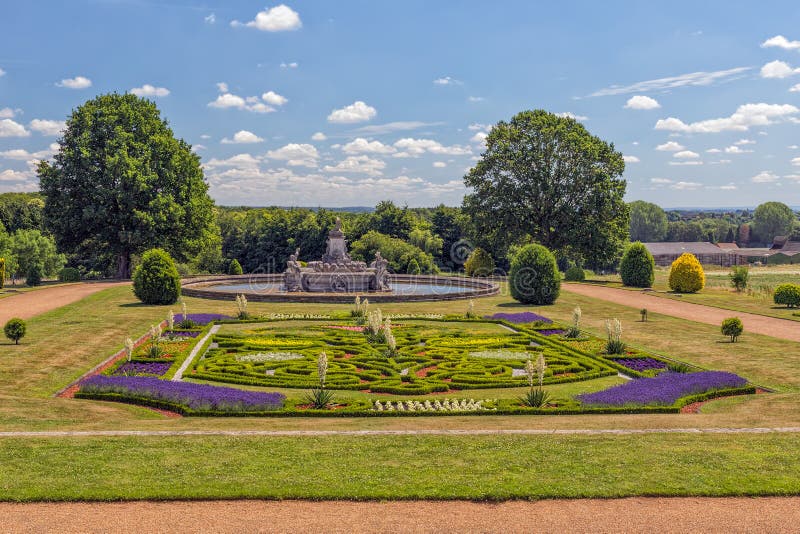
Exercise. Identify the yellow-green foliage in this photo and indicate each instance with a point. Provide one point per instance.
(2, 272)
(686, 274)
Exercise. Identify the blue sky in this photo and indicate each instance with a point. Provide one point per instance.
(346, 103)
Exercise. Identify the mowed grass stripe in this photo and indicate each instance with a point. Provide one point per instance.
(398, 467)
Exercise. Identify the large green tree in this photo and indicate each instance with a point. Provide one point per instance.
(648, 222)
(547, 177)
(122, 182)
(773, 219)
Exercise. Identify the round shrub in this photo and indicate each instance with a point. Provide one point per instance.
(34, 275)
(235, 267)
(156, 279)
(69, 274)
(534, 277)
(686, 274)
(15, 330)
(732, 327)
(637, 268)
(479, 263)
(575, 274)
(787, 295)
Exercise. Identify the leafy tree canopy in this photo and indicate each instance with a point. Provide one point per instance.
(548, 177)
(121, 180)
(773, 219)
(648, 222)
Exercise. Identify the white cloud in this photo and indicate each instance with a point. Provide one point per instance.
(479, 138)
(9, 128)
(475, 126)
(719, 162)
(362, 146)
(686, 162)
(239, 161)
(670, 146)
(713, 151)
(642, 102)
(10, 175)
(686, 154)
(660, 181)
(734, 149)
(242, 137)
(475, 99)
(412, 148)
(630, 159)
(686, 186)
(793, 147)
(390, 127)
(2, 73)
(795, 88)
(210, 19)
(570, 115)
(742, 119)
(796, 161)
(741, 142)
(251, 103)
(672, 82)
(222, 87)
(764, 177)
(358, 164)
(795, 177)
(319, 136)
(7, 113)
(78, 82)
(296, 155)
(358, 111)
(447, 80)
(781, 42)
(778, 69)
(291, 65)
(150, 90)
(271, 97)
(280, 18)
(47, 127)
(439, 164)
(20, 154)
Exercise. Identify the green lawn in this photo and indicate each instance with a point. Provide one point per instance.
(398, 467)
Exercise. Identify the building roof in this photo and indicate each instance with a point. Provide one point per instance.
(673, 248)
(728, 246)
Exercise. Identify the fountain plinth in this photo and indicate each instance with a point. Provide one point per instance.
(337, 272)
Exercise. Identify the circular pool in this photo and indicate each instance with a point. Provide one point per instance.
(405, 288)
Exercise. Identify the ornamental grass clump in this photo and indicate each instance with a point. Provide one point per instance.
(535, 397)
(470, 314)
(170, 321)
(733, 328)
(614, 344)
(374, 327)
(186, 321)
(129, 348)
(574, 331)
(391, 342)
(319, 397)
(154, 350)
(241, 307)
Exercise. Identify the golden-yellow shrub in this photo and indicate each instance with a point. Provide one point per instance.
(686, 274)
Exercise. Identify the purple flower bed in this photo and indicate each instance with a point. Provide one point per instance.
(521, 318)
(664, 389)
(143, 368)
(179, 333)
(201, 318)
(640, 364)
(551, 332)
(197, 397)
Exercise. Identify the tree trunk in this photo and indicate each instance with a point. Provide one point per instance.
(124, 265)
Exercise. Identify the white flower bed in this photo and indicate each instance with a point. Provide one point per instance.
(447, 405)
(408, 316)
(501, 355)
(262, 357)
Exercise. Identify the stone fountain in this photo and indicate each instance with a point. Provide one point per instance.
(336, 272)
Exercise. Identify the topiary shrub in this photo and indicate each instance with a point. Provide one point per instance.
(235, 267)
(787, 295)
(413, 267)
(534, 277)
(69, 274)
(15, 330)
(686, 274)
(156, 279)
(575, 274)
(34, 275)
(637, 268)
(732, 327)
(479, 263)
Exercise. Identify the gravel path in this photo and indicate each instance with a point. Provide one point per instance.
(421, 432)
(759, 324)
(192, 355)
(692, 514)
(32, 303)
